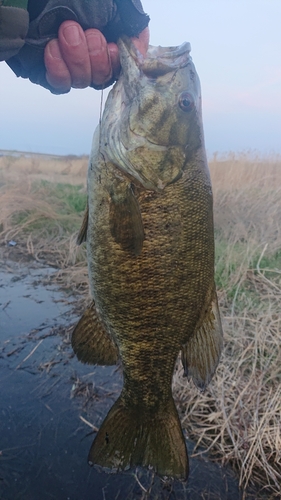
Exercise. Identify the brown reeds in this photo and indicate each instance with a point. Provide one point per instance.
(238, 418)
(71, 169)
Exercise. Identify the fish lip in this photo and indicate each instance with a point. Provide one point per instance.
(158, 60)
(163, 60)
(172, 52)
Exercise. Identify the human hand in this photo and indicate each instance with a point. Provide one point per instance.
(79, 59)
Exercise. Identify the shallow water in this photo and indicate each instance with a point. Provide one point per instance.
(43, 442)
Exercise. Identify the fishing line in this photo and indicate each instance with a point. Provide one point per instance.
(100, 118)
(101, 106)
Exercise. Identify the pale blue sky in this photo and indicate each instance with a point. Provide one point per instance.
(236, 48)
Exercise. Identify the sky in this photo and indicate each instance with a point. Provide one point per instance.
(236, 48)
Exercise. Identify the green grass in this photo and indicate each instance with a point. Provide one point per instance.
(234, 267)
(59, 214)
(44, 219)
(71, 199)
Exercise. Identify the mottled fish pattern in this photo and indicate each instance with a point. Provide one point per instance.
(150, 244)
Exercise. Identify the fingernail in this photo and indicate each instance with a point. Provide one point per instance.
(72, 35)
(95, 43)
(53, 49)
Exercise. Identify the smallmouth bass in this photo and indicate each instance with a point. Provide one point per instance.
(150, 245)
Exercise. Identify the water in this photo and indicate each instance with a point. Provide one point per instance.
(43, 441)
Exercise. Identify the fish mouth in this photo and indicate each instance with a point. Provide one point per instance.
(158, 60)
(161, 60)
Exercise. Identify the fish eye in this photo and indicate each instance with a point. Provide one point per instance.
(186, 102)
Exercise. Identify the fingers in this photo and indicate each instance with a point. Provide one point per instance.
(74, 49)
(67, 58)
(57, 73)
(115, 59)
(79, 59)
(104, 57)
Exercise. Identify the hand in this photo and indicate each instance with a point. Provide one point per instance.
(79, 59)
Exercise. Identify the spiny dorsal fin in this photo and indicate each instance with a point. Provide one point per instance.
(90, 341)
(82, 235)
(200, 355)
(125, 218)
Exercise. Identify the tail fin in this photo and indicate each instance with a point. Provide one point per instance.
(128, 438)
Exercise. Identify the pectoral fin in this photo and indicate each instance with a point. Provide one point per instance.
(82, 235)
(90, 341)
(125, 218)
(201, 354)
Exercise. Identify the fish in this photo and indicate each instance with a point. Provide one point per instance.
(150, 248)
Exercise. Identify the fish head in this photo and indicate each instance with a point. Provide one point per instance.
(155, 113)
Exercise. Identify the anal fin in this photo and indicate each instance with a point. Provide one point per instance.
(90, 341)
(200, 355)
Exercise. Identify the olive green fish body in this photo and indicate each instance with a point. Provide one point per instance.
(151, 302)
(150, 247)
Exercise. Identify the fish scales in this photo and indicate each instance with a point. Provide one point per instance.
(150, 245)
(148, 294)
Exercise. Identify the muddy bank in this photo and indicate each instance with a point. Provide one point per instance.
(49, 399)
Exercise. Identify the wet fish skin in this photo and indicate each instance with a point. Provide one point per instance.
(150, 244)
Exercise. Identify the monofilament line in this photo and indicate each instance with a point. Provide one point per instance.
(100, 117)
(101, 110)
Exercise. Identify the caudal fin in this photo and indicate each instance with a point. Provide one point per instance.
(128, 438)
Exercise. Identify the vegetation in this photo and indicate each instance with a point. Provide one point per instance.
(42, 216)
(238, 418)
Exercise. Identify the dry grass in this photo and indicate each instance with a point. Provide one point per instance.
(43, 216)
(238, 418)
(71, 169)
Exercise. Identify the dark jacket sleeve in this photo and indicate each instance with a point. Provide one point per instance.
(112, 17)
